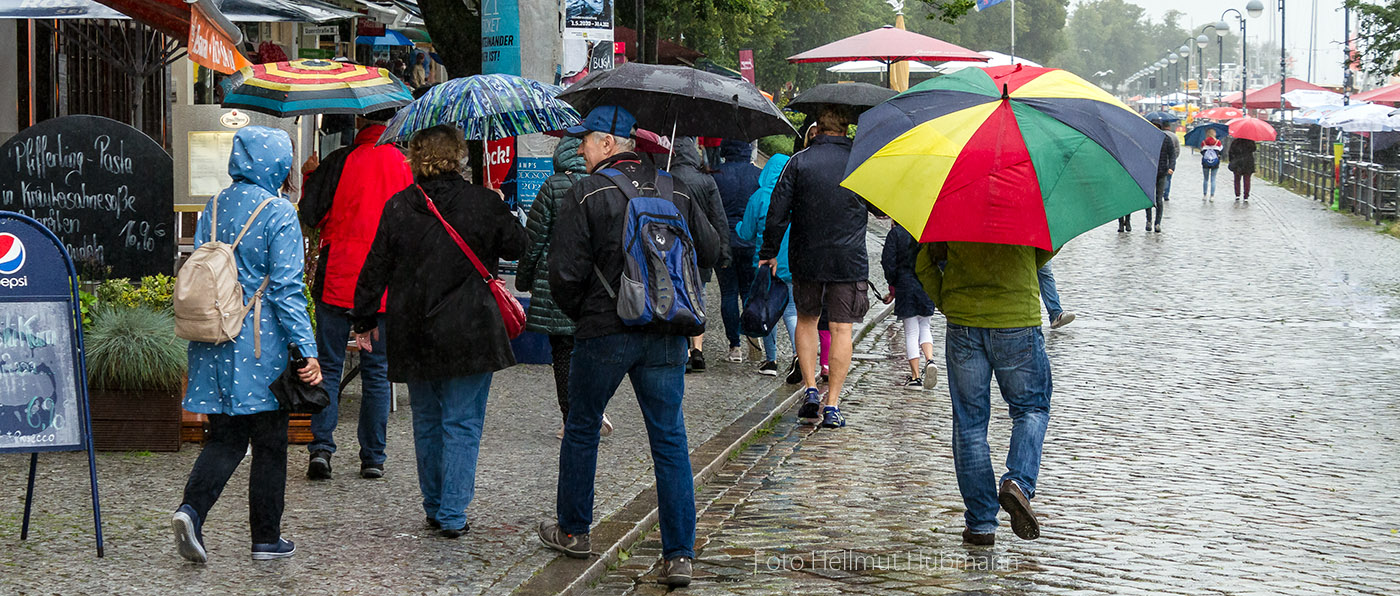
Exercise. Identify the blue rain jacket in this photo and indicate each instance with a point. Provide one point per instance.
(750, 228)
(227, 378)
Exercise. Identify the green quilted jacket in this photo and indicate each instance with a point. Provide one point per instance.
(544, 315)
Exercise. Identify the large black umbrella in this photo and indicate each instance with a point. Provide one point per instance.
(858, 96)
(683, 100)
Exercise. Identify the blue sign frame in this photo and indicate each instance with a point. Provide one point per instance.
(35, 269)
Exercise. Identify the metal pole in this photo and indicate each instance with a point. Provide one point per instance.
(1244, 66)
(1282, 79)
(1220, 66)
(1013, 31)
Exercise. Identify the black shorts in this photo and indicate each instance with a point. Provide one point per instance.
(844, 301)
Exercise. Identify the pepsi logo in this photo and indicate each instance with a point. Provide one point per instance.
(11, 254)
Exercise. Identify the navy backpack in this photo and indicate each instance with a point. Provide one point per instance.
(660, 277)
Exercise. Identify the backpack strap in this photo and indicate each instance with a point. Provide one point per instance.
(665, 187)
(250, 218)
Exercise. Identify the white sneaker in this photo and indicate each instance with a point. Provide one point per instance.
(607, 426)
(1065, 318)
(736, 354)
(930, 375)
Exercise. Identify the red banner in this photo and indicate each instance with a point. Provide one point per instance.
(499, 155)
(746, 65)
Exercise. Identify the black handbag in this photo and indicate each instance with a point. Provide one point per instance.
(293, 394)
(768, 298)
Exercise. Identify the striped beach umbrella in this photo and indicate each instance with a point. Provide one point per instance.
(1005, 155)
(486, 107)
(299, 87)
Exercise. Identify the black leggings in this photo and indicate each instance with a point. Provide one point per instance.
(562, 349)
(229, 437)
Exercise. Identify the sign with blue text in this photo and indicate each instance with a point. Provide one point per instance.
(42, 389)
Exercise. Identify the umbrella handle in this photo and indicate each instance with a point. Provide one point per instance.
(486, 163)
(671, 151)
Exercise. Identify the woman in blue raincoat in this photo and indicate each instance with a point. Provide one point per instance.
(229, 381)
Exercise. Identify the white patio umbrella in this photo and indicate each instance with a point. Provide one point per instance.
(859, 66)
(1362, 118)
(993, 59)
(1311, 98)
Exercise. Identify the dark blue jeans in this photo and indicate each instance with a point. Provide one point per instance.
(734, 283)
(656, 366)
(1017, 357)
(332, 335)
(448, 415)
(1048, 294)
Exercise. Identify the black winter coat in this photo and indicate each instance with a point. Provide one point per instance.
(1171, 148)
(544, 315)
(828, 221)
(442, 319)
(897, 259)
(1242, 156)
(588, 233)
(685, 166)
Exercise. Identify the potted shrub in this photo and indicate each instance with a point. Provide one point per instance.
(136, 368)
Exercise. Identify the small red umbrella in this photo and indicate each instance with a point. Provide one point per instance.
(1253, 129)
(1220, 113)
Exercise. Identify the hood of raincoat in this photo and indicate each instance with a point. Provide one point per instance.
(567, 158)
(735, 151)
(261, 156)
(687, 153)
(771, 171)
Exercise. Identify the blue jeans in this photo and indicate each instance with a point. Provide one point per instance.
(1168, 193)
(1208, 184)
(447, 419)
(656, 366)
(1048, 294)
(1017, 357)
(734, 283)
(332, 335)
(770, 341)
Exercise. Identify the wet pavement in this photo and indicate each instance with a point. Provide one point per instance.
(1224, 421)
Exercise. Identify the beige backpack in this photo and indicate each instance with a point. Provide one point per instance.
(208, 298)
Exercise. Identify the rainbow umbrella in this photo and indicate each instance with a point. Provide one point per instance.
(1005, 155)
(297, 87)
(491, 106)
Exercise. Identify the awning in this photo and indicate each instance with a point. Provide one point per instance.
(239, 11)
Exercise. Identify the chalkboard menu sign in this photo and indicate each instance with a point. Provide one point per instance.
(103, 187)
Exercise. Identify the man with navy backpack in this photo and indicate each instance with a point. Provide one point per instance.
(635, 304)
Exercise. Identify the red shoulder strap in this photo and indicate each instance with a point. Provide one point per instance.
(455, 236)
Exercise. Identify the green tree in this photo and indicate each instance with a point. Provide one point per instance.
(1378, 41)
(455, 26)
(1117, 36)
(1039, 27)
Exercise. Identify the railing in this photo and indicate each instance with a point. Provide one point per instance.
(1371, 190)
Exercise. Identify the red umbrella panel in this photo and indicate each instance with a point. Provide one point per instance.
(1220, 113)
(888, 45)
(1253, 129)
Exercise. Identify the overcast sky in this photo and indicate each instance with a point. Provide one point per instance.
(1328, 54)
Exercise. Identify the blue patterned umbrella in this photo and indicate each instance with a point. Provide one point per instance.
(493, 106)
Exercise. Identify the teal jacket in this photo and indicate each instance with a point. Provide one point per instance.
(750, 228)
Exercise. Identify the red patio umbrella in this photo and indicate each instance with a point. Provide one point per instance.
(889, 45)
(1253, 129)
(1389, 94)
(1220, 113)
(1268, 97)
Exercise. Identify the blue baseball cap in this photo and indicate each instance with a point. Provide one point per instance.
(614, 120)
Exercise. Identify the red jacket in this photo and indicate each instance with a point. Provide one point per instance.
(344, 197)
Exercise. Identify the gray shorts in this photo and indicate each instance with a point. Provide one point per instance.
(844, 301)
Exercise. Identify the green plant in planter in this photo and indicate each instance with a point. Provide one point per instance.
(134, 349)
(154, 292)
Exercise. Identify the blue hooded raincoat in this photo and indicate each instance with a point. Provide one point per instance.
(750, 228)
(227, 378)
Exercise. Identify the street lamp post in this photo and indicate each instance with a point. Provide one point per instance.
(1282, 81)
(1176, 71)
(1254, 8)
(1201, 42)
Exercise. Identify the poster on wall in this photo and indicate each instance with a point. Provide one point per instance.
(588, 39)
(500, 37)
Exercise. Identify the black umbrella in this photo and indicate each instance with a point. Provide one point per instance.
(293, 394)
(683, 100)
(858, 96)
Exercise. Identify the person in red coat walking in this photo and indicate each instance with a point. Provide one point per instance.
(343, 198)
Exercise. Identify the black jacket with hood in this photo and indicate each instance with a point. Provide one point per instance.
(685, 166)
(828, 221)
(443, 321)
(588, 234)
(737, 180)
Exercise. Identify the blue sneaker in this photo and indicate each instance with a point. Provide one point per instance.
(189, 538)
(281, 549)
(832, 418)
(811, 404)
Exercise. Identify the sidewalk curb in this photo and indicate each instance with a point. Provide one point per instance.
(631, 523)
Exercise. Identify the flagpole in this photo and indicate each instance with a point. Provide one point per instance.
(1013, 31)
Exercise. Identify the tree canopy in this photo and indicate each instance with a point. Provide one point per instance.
(1378, 40)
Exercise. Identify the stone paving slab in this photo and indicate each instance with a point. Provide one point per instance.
(1223, 422)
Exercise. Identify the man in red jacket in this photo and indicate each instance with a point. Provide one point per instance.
(343, 198)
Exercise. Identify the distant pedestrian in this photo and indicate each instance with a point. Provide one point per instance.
(533, 273)
(1166, 166)
(750, 229)
(1210, 163)
(229, 381)
(1050, 295)
(737, 179)
(447, 335)
(988, 293)
(344, 198)
(912, 306)
(687, 166)
(1242, 164)
(827, 256)
(586, 264)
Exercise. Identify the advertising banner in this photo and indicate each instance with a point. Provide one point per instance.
(500, 37)
(588, 38)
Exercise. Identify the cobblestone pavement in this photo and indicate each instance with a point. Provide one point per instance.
(1223, 422)
(353, 536)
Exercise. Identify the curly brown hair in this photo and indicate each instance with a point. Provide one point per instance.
(436, 150)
